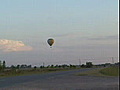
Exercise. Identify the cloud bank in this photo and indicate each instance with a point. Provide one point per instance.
(13, 46)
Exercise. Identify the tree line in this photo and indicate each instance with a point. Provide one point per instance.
(22, 66)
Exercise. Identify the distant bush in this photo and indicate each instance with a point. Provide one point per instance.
(89, 64)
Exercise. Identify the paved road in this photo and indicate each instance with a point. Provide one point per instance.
(64, 80)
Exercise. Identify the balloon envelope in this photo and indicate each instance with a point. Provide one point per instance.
(50, 41)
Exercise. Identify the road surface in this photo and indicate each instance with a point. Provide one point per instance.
(63, 80)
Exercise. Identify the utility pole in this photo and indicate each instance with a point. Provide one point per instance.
(112, 60)
(79, 62)
(43, 64)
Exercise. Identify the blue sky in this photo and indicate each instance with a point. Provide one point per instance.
(83, 29)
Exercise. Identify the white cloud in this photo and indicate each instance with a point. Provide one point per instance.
(12, 46)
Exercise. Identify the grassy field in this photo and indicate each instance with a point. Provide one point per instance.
(109, 71)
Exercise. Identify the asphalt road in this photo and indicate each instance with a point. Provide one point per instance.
(63, 80)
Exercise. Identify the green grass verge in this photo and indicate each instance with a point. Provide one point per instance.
(94, 72)
(19, 72)
(110, 71)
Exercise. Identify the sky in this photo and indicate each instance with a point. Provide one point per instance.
(83, 30)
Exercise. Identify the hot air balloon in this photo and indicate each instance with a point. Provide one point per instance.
(50, 42)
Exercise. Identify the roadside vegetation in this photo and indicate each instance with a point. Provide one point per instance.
(107, 71)
(111, 71)
(17, 70)
(24, 69)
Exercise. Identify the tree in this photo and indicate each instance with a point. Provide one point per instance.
(29, 66)
(18, 66)
(71, 66)
(89, 64)
(52, 66)
(56, 66)
(35, 67)
(23, 66)
(82, 65)
(0, 65)
(4, 64)
(41, 67)
(12, 66)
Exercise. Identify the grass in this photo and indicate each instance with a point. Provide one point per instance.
(109, 71)
(94, 72)
(18, 72)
